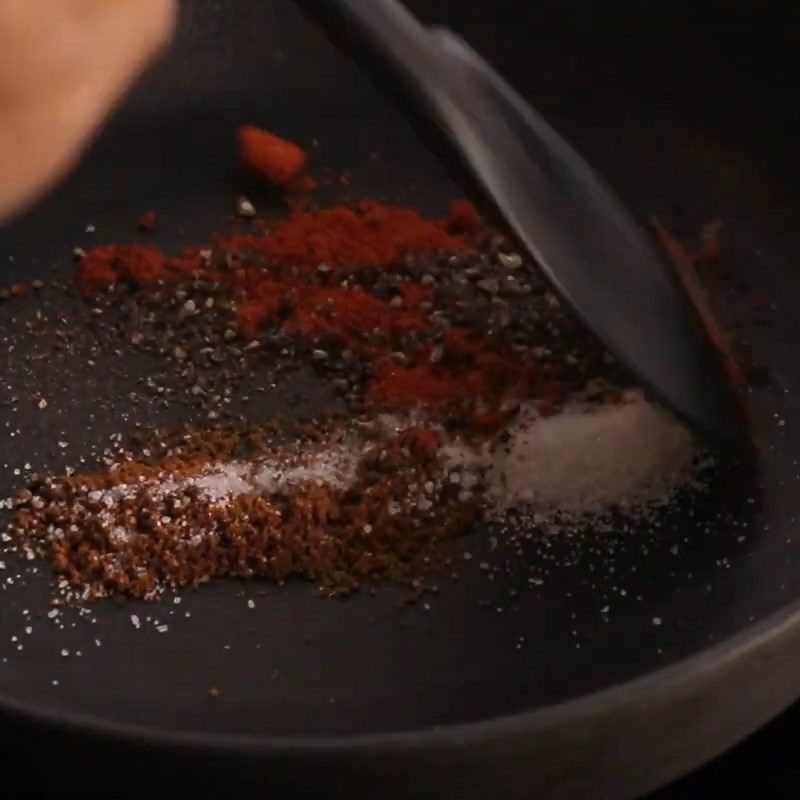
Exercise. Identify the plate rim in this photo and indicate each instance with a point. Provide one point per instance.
(724, 663)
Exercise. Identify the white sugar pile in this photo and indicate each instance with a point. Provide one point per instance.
(585, 459)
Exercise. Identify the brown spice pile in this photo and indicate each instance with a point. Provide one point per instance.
(140, 528)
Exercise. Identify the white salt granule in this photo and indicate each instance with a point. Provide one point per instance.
(584, 459)
(335, 467)
(222, 480)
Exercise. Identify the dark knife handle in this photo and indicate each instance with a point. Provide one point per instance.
(383, 36)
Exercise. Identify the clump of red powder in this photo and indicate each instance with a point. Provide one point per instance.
(274, 159)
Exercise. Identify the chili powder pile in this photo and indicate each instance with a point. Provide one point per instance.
(354, 278)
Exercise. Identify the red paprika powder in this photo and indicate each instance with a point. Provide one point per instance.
(365, 234)
(276, 277)
(278, 161)
(686, 260)
(147, 221)
(138, 264)
(464, 217)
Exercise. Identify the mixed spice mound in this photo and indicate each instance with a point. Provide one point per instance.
(338, 509)
(470, 398)
(341, 502)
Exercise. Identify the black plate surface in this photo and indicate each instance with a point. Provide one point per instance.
(360, 692)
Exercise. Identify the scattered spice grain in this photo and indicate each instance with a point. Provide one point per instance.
(147, 221)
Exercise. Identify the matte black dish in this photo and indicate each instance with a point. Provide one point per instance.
(356, 698)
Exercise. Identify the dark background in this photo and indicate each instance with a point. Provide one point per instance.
(766, 765)
(753, 51)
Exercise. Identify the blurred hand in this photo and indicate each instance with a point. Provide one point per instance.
(63, 65)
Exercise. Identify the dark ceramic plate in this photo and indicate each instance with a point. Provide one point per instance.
(636, 665)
